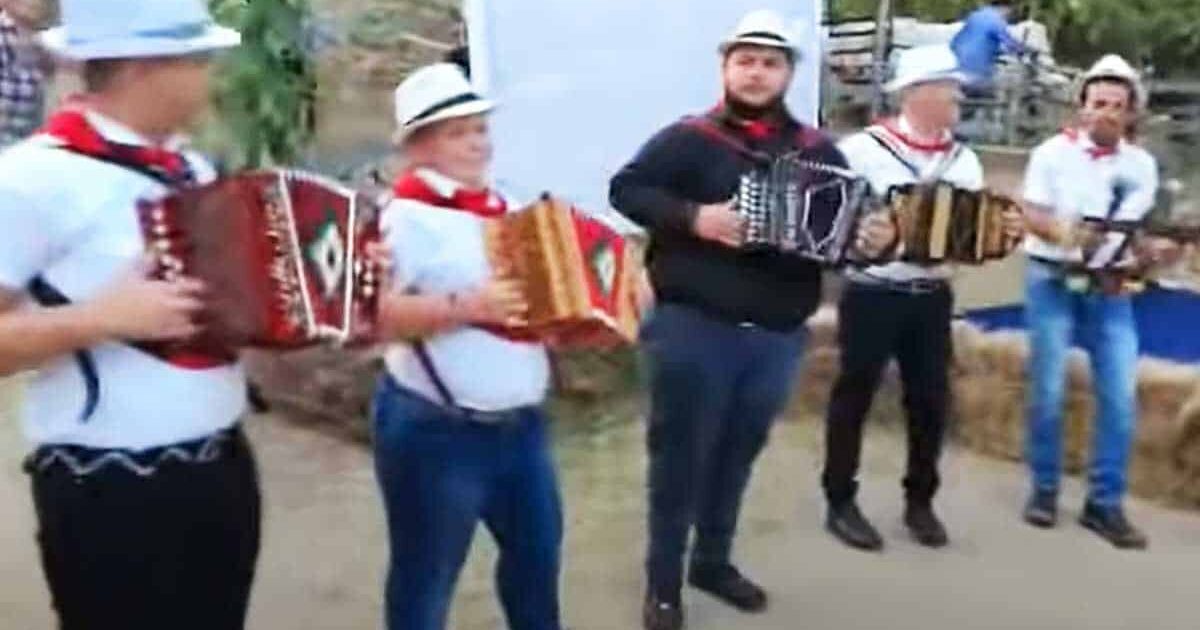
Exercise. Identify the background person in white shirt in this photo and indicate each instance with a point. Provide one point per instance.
(900, 310)
(146, 493)
(460, 433)
(1089, 171)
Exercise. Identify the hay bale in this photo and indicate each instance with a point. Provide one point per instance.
(1185, 456)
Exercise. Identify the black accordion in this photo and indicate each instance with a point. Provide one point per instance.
(941, 223)
(801, 207)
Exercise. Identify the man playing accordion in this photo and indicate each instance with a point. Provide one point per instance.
(146, 491)
(460, 435)
(725, 337)
(900, 309)
(1087, 174)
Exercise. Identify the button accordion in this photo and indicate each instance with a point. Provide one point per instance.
(802, 207)
(281, 252)
(941, 223)
(580, 276)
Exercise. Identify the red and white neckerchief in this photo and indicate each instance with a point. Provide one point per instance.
(70, 127)
(1093, 150)
(901, 145)
(484, 203)
(893, 128)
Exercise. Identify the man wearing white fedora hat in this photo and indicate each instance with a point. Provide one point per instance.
(146, 491)
(460, 434)
(900, 310)
(724, 341)
(1088, 171)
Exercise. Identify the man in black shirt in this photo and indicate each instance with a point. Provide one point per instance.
(726, 335)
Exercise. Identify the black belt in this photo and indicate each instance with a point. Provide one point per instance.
(82, 461)
(916, 286)
(457, 412)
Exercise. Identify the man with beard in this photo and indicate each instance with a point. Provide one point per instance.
(1087, 171)
(725, 338)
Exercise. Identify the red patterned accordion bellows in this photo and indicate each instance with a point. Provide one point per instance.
(282, 253)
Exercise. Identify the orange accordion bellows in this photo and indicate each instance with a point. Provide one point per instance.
(579, 275)
(939, 222)
(282, 254)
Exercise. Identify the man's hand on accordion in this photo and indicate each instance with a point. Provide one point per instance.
(720, 223)
(876, 235)
(500, 302)
(139, 308)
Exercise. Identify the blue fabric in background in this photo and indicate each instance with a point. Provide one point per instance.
(1168, 323)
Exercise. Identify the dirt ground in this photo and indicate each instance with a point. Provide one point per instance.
(325, 547)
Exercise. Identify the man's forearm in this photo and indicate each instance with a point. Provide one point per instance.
(30, 338)
(404, 316)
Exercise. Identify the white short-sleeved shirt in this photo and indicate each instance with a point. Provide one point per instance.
(884, 170)
(1064, 176)
(73, 221)
(436, 251)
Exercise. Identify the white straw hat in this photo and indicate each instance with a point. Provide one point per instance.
(925, 64)
(433, 93)
(761, 28)
(116, 29)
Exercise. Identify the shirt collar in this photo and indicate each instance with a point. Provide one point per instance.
(120, 133)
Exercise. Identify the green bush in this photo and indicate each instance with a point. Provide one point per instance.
(266, 89)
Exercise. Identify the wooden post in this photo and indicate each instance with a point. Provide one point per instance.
(883, 44)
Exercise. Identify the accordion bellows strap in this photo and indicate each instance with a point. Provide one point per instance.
(579, 275)
(282, 253)
(939, 223)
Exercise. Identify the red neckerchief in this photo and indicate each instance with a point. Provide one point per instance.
(892, 126)
(760, 129)
(1095, 151)
(483, 203)
(70, 126)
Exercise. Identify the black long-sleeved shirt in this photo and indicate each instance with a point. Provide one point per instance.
(699, 160)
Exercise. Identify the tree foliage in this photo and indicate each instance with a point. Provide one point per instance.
(265, 90)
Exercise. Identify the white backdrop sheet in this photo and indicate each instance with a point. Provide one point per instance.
(581, 84)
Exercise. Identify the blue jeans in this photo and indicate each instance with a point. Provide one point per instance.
(715, 391)
(440, 476)
(1106, 329)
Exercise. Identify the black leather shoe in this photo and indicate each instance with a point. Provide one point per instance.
(1110, 523)
(727, 584)
(925, 526)
(847, 523)
(659, 614)
(1042, 509)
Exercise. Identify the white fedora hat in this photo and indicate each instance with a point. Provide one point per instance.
(117, 29)
(762, 27)
(1115, 67)
(925, 64)
(433, 93)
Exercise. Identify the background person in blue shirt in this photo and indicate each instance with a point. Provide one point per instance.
(983, 37)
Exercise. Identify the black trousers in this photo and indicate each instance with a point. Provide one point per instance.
(877, 323)
(175, 549)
